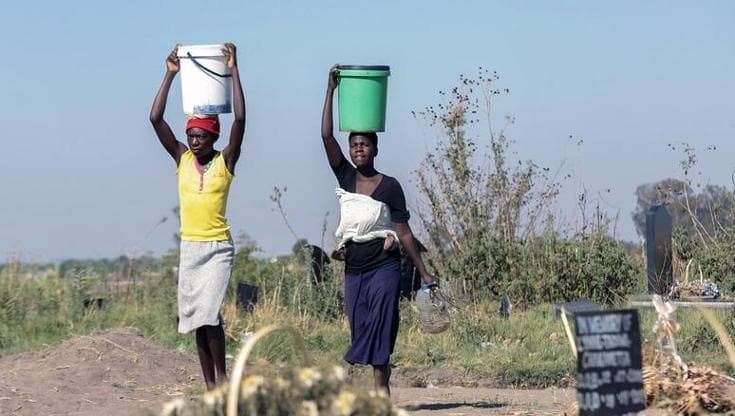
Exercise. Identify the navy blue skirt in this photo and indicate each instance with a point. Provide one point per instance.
(371, 299)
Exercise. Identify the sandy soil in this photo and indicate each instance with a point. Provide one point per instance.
(460, 401)
(112, 373)
(119, 372)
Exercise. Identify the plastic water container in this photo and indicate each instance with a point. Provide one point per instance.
(362, 97)
(206, 83)
(433, 310)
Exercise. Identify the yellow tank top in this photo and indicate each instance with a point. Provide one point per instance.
(203, 192)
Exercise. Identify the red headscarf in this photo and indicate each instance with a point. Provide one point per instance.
(210, 124)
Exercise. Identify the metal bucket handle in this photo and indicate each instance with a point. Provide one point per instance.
(205, 69)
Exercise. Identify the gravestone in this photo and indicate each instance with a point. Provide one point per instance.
(658, 250)
(319, 261)
(247, 296)
(315, 257)
(505, 307)
(609, 362)
(575, 306)
(91, 303)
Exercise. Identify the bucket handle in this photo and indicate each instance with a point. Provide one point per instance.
(205, 69)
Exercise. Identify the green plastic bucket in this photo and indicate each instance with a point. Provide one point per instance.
(362, 97)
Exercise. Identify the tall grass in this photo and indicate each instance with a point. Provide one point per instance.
(44, 310)
(529, 349)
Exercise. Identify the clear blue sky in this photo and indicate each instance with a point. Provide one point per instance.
(84, 176)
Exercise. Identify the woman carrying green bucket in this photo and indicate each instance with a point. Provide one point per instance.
(373, 216)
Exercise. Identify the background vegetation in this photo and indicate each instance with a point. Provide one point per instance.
(486, 216)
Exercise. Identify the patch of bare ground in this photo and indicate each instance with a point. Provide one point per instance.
(117, 372)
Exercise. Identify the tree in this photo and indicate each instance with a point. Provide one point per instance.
(702, 214)
(669, 192)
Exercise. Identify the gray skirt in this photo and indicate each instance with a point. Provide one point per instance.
(204, 273)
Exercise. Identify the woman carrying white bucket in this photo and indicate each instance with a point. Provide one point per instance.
(207, 252)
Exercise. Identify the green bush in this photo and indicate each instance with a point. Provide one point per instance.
(593, 266)
(718, 264)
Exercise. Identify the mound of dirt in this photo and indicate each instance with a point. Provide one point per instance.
(117, 372)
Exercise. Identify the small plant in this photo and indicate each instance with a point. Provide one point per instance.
(303, 391)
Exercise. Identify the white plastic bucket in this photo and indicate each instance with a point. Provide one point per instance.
(206, 83)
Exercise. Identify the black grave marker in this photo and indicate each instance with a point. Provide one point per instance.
(92, 303)
(575, 306)
(319, 261)
(658, 250)
(247, 296)
(609, 376)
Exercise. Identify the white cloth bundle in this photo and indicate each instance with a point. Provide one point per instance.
(362, 219)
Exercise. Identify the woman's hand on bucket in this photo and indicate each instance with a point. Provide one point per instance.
(333, 74)
(172, 61)
(230, 51)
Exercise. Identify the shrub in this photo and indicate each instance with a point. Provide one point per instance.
(482, 211)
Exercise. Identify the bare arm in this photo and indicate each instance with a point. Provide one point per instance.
(231, 152)
(167, 138)
(334, 153)
(405, 236)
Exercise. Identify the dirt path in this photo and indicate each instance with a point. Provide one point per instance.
(120, 373)
(461, 401)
